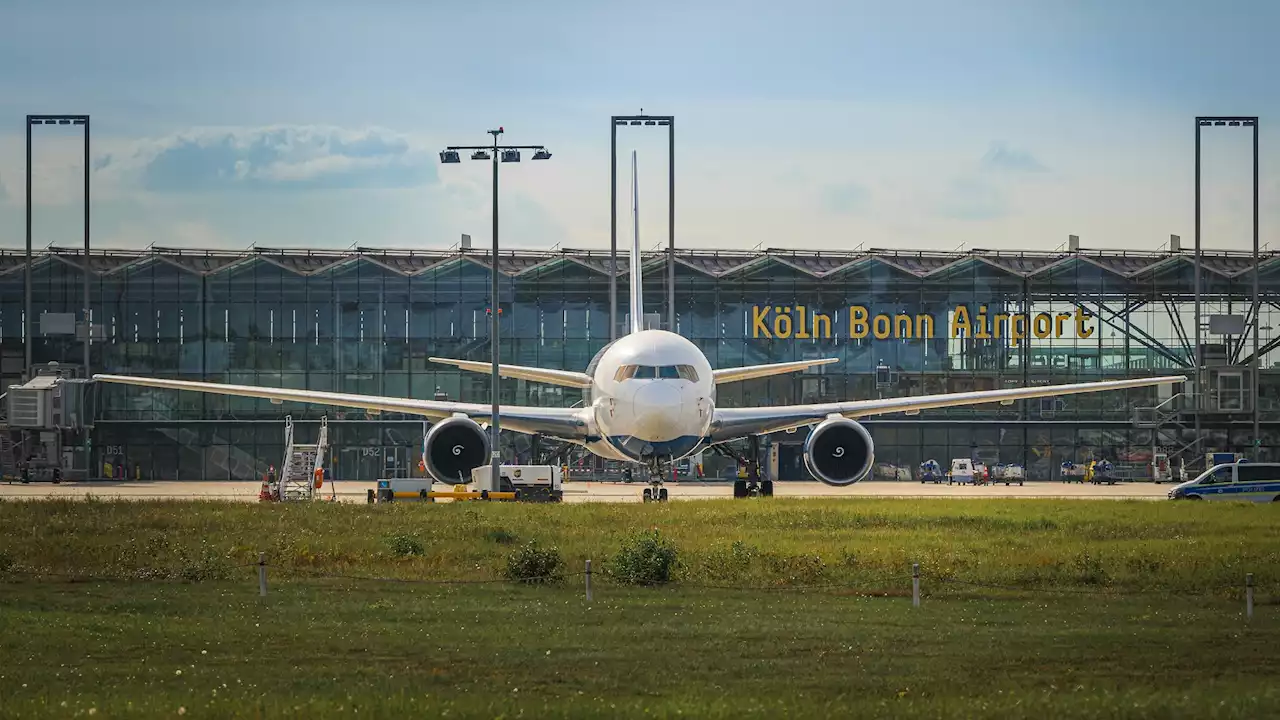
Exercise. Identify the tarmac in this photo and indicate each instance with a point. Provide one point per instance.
(595, 491)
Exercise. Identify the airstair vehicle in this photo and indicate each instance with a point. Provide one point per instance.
(301, 462)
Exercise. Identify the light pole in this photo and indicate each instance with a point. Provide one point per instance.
(29, 316)
(32, 121)
(617, 121)
(1254, 365)
(508, 153)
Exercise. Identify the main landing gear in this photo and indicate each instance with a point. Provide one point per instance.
(655, 492)
(752, 486)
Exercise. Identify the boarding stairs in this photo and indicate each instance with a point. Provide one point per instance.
(1170, 431)
(298, 471)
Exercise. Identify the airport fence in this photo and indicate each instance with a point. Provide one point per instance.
(918, 584)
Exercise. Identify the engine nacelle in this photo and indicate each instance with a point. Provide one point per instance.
(839, 452)
(453, 448)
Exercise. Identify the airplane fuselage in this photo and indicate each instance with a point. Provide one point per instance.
(652, 397)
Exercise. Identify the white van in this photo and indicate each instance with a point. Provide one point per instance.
(961, 471)
(1256, 482)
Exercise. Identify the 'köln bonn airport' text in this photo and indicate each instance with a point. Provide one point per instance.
(801, 323)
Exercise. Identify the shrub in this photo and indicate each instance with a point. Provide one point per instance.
(534, 564)
(645, 558)
(6, 562)
(402, 545)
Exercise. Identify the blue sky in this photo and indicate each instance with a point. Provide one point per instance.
(826, 125)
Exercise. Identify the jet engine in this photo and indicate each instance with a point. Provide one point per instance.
(839, 452)
(453, 447)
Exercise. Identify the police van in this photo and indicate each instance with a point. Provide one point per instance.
(1255, 482)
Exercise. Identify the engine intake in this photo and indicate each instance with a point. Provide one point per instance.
(839, 452)
(453, 448)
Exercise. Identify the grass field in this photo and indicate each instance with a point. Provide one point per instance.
(1193, 548)
(1115, 609)
(397, 650)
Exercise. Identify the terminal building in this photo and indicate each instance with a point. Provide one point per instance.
(366, 321)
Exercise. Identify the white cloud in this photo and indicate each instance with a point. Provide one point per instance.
(276, 157)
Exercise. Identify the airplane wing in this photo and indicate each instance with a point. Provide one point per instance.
(568, 378)
(732, 423)
(750, 372)
(563, 423)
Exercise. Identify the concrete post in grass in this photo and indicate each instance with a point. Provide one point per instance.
(262, 574)
(915, 584)
(1248, 596)
(588, 577)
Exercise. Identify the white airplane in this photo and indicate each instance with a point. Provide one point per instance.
(652, 401)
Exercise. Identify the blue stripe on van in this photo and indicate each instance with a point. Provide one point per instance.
(1236, 488)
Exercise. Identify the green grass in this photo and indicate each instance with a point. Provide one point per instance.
(1117, 609)
(366, 649)
(1136, 546)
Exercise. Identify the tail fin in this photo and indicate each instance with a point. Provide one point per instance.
(637, 306)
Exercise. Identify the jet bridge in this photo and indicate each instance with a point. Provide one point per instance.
(45, 425)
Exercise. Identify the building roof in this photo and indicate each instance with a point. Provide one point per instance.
(1129, 265)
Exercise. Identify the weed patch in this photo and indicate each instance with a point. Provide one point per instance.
(645, 558)
(404, 545)
(534, 564)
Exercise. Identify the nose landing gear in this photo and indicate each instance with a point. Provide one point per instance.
(656, 492)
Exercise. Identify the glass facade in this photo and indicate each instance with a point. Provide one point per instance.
(900, 323)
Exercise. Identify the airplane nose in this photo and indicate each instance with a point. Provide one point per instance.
(657, 411)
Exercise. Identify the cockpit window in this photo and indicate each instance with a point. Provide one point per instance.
(650, 372)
